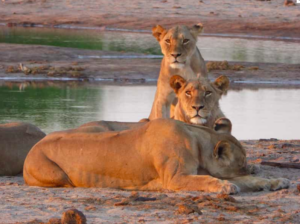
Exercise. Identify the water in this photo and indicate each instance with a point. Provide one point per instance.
(212, 48)
(255, 114)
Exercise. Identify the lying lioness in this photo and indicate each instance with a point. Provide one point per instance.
(102, 126)
(161, 154)
(198, 99)
(16, 139)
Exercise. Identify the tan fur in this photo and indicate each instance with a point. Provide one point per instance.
(102, 126)
(160, 154)
(198, 99)
(16, 139)
(182, 57)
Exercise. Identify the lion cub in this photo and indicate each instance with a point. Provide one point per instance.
(198, 100)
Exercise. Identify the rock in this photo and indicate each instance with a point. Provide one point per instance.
(289, 3)
(123, 202)
(268, 140)
(221, 217)
(226, 197)
(54, 221)
(35, 221)
(202, 198)
(286, 145)
(73, 216)
(188, 209)
(231, 208)
(134, 195)
(144, 199)
(90, 208)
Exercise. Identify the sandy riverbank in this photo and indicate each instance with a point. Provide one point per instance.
(265, 18)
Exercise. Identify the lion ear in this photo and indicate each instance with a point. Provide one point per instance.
(222, 83)
(223, 125)
(196, 30)
(176, 82)
(222, 150)
(158, 32)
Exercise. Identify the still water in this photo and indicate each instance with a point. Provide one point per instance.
(255, 114)
(212, 48)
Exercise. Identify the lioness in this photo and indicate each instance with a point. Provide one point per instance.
(161, 154)
(102, 126)
(182, 57)
(16, 139)
(198, 99)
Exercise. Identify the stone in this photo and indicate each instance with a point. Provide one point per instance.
(73, 216)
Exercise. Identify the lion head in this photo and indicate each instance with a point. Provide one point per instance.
(198, 100)
(178, 44)
(228, 159)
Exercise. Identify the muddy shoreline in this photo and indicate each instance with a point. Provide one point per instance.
(62, 63)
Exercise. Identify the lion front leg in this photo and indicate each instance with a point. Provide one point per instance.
(250, 183)
(160, 109)
(162, 102)
(202, 183)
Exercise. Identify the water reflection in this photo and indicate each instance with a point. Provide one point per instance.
(255, 114)
(212, 48)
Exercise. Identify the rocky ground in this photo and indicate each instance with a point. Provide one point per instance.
(23, 204)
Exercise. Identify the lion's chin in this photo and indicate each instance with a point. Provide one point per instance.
(177, 65)
(198, 120)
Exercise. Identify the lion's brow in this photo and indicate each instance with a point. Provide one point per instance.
(176, 33)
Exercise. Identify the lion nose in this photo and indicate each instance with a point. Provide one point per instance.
(197, 108)
(175, 55)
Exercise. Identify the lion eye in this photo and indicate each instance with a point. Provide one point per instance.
(185, 41)
(188, 93)
(167, 41)
(207, 93)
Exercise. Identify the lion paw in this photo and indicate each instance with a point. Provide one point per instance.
(229, 188)
(280, 183)
(253, 168)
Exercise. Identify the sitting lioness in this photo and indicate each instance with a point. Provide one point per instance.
(161, 154)
(182, 57)
(16, 139)
(198, 99)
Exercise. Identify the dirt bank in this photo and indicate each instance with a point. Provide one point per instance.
(21, 204)
(56, 62)
(256, 17)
